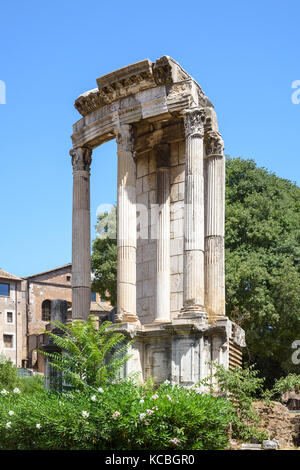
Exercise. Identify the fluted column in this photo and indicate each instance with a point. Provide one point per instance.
(126, 226)
(214, 226)
(163, 246)
(193, 294)
(81, 233)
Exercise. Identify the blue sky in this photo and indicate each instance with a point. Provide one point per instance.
(244, 54)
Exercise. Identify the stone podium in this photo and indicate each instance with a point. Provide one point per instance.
(170, 219)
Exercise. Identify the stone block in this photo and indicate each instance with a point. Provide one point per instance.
(145, 271)
(139, 186)
(142, 199)
(152, 268)
(249, 446)
(176, 246)
(174, 264)
(177, 210)
(142, 306)
(177, 228)
(149, 182)
(142, 166)
(174, 154)
(181, 191)
(181, 152)
(139, 289)
(176, 301)
(152, 198)
(148, 288)
(149, 252)
(174, 193)
(176, 283)
(152, 162)
(177, 174)
(270, 444)
(180, 263)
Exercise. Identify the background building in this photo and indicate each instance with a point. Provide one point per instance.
(25, 312)
(13, 318)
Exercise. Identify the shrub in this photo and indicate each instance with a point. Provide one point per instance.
(89, 355)
(121, 416)
(8, 374)
(31, 385)
(242, 387)
(285, 384)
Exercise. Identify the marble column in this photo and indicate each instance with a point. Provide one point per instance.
(163, 313)
(214, 225)
(193, 288)
(126, 226)
(81, 233)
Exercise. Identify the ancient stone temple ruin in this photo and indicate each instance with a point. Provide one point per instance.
(170, 236)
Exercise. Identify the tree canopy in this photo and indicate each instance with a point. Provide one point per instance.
(262, 240)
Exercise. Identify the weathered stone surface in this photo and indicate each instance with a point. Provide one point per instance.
(249, 446)
(170, 216)
(280, 423)
(270, 444)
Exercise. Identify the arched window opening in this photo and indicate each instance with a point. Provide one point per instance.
(46, 310)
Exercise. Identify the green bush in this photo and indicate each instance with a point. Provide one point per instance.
(122, 416)
(90, 356)
(31, 385)
(241, 387)
(8, 374)
(285, 384)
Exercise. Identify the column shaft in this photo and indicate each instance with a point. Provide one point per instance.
(163, 246)
(81, 236)
(193, 295)
(214, 226)
(126, 227)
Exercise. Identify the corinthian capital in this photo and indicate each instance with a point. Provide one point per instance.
(124, 137)
(214, 144)
(194, 120)
(81, 158)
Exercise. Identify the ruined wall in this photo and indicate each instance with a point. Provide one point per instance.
(146, 191)
(280, 423)
(177, 159)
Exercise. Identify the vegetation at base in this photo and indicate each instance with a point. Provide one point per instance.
(93, 354)
(241, 387)
(121, 414)
(10, 379)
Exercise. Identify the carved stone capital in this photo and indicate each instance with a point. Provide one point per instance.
(124, 138)
(194, 121)
(214, 144)
(81, 158)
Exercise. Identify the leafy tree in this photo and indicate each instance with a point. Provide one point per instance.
(89, 356)
(104, 257)
(262, 239)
